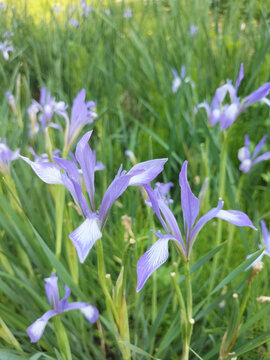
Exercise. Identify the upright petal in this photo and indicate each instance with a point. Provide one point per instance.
(235, 217)
(87, 160)
(63, 303)
(155, 205)
(190, 203)
(145, 172)
(46, 171)
(85, 236)
(152, 260)
(116, 189)
(266, 237)
(51, 289)
(259, 146)
(240, 77)
(35, 331)
(172, 223)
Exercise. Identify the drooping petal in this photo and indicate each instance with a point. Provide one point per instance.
(190, 203)
(51, 289)
(229, 116)
(91, 313)
(258, 147)
(152, 260)
(46, 171)
(206, 107)
(87, 160)
(263, 157)
(246, 165)
(145, 172)
(116, 189)
(35, 331)
(202, 221)
(85, 236)
(235, 217)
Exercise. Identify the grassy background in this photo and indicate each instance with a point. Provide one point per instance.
(125, 65)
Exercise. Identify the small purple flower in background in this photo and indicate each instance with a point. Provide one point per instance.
(2, 5)
(8, 34)
(11, 101)
(177, 80)
(46, 106)
(6, 47)
(162, 190)
(265, 243)
(67, 173)
(228, 113)
(158, 253)
(35, 331)
(247, 160)
(127, 13)
(73, 22)
(193, 29)
(6, 156)
(108, 12)
(82, 113)
(86, 9)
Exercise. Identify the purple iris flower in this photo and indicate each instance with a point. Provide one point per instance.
(6, 47)
(127, 13)
(35, 331)
(228, 113)
(82, 113)
(177, 80)
(6, 156)
(247, 160)
(193, 29)
(86, 9)
(265, 243)
(158, 253)
(67, 173)
(74, 22)
(47, 106)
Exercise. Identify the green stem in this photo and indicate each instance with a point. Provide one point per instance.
(222, 183)
(62, 338)
(59, 215)
(102, 279)
(190, 320)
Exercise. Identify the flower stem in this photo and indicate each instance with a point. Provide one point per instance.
(102, 279)
(59, 214)
(189, 320)
(62, 339)
(222, 183)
